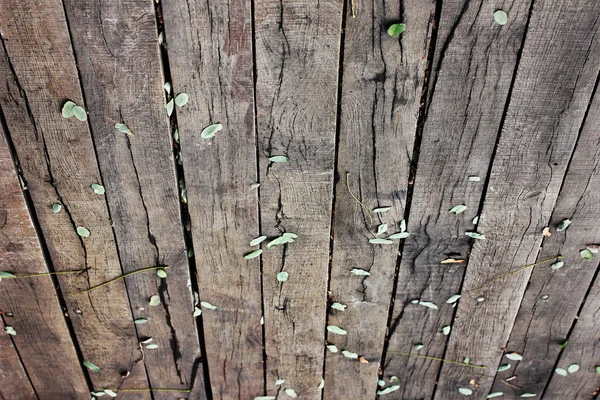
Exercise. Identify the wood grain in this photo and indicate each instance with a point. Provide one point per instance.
(59, 165)
(210, 54)
(381, 91)
(545, 112)
(474, 63)
(112, 41)
(297, 55)
(30, 306)
(553, 297)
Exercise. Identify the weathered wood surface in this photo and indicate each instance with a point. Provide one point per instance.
(297, 48)
(59, 165)
(210, 53)
(112, 41)
(474, 63)
(553, 297)
(546, 109)
(381, 91)
(30, 306)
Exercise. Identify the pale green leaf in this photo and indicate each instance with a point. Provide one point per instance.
(5, 274)
(146, 341)
(563, 225)
(465, 391)
(176, 135)
(388, 390)
(262, 320)
(428, 304)
(382, 209)
(474, 178)
(181, 99)
(10, 330)
(290, 235)
(360, 272)
(280, 382)
(418, 346)
(253, 254)
(514, 356)
(394, 379)
(557, 265)
(332, 348)
(123, 128)
(504, 367)
(98, 189)
(279, 159)
(322, 384)
(82, 231)
(291, 392)
(56, 207)
(283, 276)
(396, 29)
(381, 383)
(528, 395)
(211, 131)
(338, 306)
(403, 226)
(561, 372)
(265, 398)
(140, 321)
(155, 300)
(381, 229)
(587, 254)
(161, 273)
(475, 220)
(152, 346)
(349, 354)
(206, 304)
(110, 393)
(453, 299)
(197, 311)
(466, 360)
(336, 329)
(500, 17)
(80, 113)
(458, 209)
(255, 185)
(257, 241)
(170, 106)
(399, 235)
(494, 394)
(91, 366)
(475, 235)
(446, 330)
(98, 394)
(380, 241)
(67, 109)
(168, 87)
(598, 369)
(280, 240)
(573, 368)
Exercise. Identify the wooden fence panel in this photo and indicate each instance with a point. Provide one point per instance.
(546, 109)
(474, 62)
(381, 92)
(297, 55)
(59, 167)
(117, 53)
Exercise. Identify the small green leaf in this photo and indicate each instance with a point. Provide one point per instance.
(394, 379)
(255, 185)
(446, 330)
(504, 367)
(56, 208)
(257, 241)
(140, 321)
(82, 231)
(336, 329)
(453, 299)
(123, 128)
(418, 346)
(465, 391)
(475, 220)
(388, 390)
(573, 368)
(332, 348)
(10, 330)
(563, 225)
(91, 366)
(399, 235)
(265, 398)
(561, 372)
(152, 346)
(206, 304)
(161, 273)
(290, 235)
(154, 300)
(495, 394)
(253, 254)
(381, 229)
(514, 356)
(181, 99)
(349, 354)
(282, 276)
(280, 382)
(168, 87)
(80, 113)
(563, 345)
(110, 393)
(380, 241)
(474, 178)
(279, 159)
(197, 311)
(291, 392)
(585, 253)
(170, 106)
(67, 109)
(528, 395)
(500, 17)
(279, 241)
(475, 235)
(262, 320)
(360, 272)
(190, 253)
(176, 135)
(598, 369)
(4, 274)
(381, 383)
(146, 341)
(338, 306)
(98, 394)
(98, 189)
(396, 29)
(382, 209)
(428, 304)
(211, 131)
(458, 209)
(557, 265)
(322, 384)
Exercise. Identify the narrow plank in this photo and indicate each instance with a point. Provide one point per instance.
(59, 166)
(297, 56)
(23, 306)
(460, 129)
(112, 40)
(210, 54)
(553, 297)
(546, 109)
(381, 91)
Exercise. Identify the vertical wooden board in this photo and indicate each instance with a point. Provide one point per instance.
(210, 54)
(116, 48)
(30, 306)
(381, 91)
(553, 297)
(297, 46)
(474, 65)
(59, 165)
(552, 88)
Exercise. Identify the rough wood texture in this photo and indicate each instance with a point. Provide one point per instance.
(59, 165)
(112, 41)
(474, 63)
(297, 50)
(553, 297)
(381, 91)
(210, 53)
(30, 306)
(546, 109)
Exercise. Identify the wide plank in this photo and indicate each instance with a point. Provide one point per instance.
(210, 57)
(112, 40)
(297, 56)
(14, 382)
(59, 166)
(472, 70)
(382, 83)
(546, 109)
(553, 296)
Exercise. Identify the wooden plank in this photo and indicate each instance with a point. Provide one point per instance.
(59, 166)
(297, 51)
(546, 109)
(381, 91)
(460, 129)
(553, 297)
(112, 40)
(210, 54)
(30, 306)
